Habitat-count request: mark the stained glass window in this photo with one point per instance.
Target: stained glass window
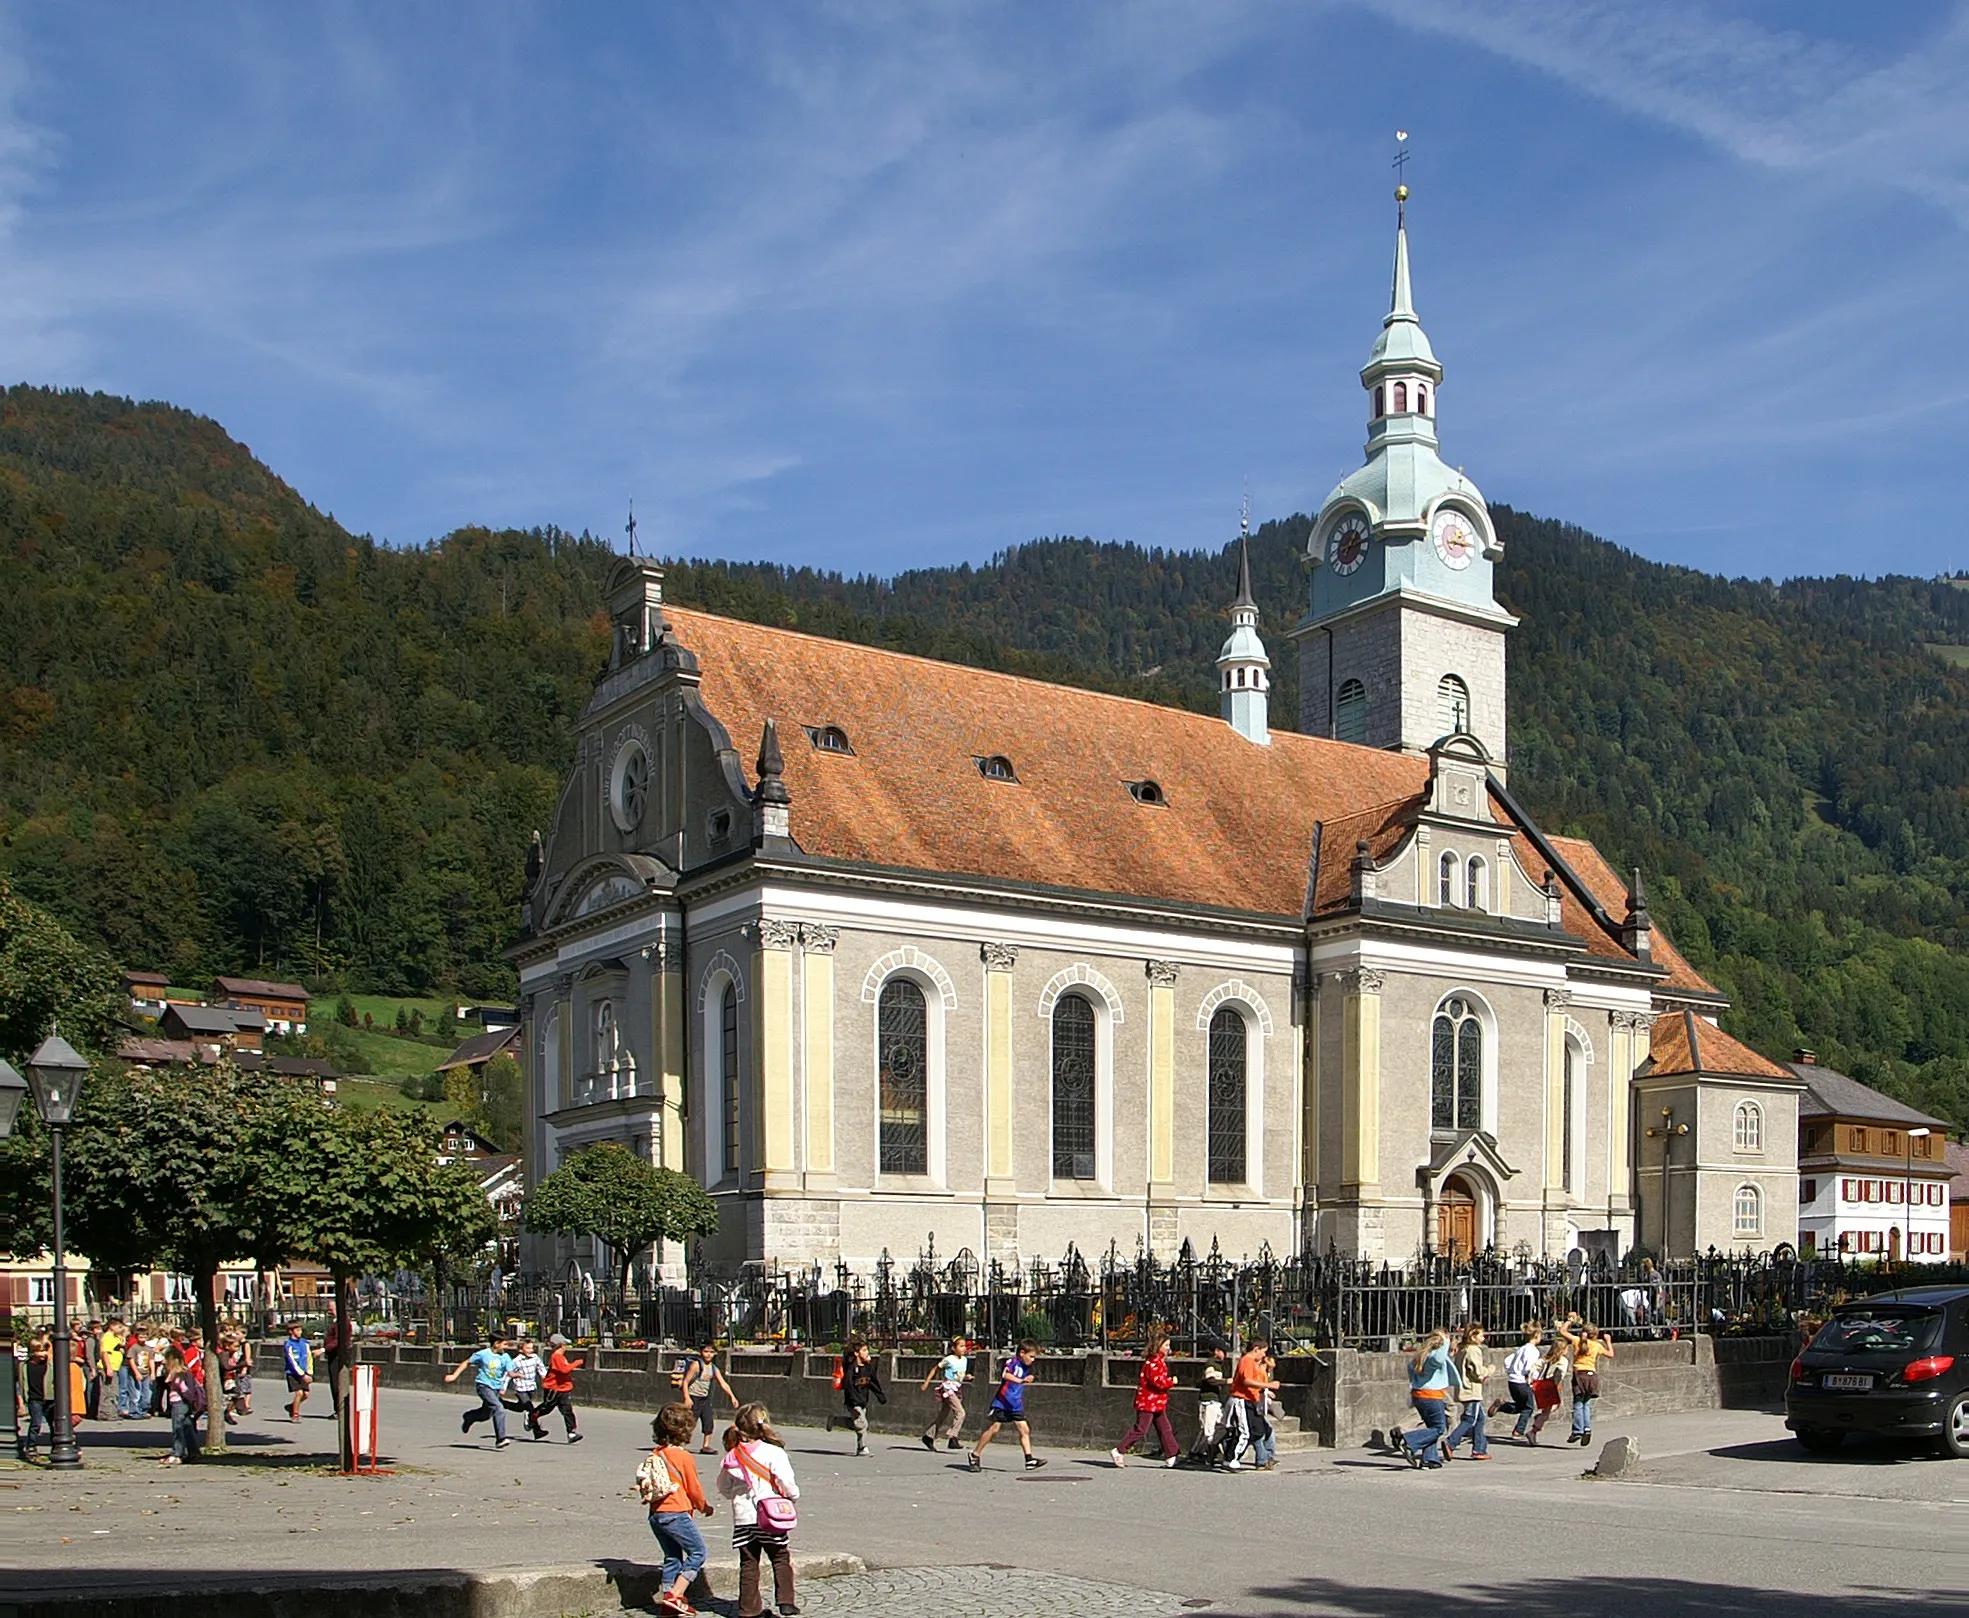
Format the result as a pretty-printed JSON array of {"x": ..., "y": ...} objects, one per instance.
[
  {"x": 1227, "y": 1097},
  {"x": 728, "y": 1076},
  {"x": 1456, "y": 1068},
  {"x": 1073, "y": 1088},
  {"x": 902, "y": 1053}
]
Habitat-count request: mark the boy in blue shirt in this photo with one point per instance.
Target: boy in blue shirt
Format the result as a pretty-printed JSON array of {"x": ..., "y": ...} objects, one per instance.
[
  {"x": 492, "y": 1367},
  {"x": 1008, "y": 1404},
  {"x": 297, "y": 1354}
]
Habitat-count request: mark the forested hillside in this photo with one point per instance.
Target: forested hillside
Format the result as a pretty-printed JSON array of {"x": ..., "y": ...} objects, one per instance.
[{"x": 234, "y": 736}]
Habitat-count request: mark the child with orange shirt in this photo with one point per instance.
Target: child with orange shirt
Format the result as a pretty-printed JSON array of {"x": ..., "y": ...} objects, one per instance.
[{"x": 671, "y": 1510}]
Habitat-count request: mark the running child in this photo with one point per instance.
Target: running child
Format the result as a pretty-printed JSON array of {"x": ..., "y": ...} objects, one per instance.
[
  {"x": 1008, "y": 1404},
  {"x": 667, "y": 1481},
  {"x": 860, "y": 1382},
  {"x": 949, "y": 1374}
]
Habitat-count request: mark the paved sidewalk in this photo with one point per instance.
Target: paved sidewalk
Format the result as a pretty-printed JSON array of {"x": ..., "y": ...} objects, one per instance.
[{"x": 1725, "y": 1514}]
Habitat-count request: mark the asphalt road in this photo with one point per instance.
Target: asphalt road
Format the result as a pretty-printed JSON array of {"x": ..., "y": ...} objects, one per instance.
[{"x": 1724, "y": 1514}]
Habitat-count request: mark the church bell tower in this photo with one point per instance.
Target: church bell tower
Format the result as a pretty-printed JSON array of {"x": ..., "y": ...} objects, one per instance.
[{"x": 1403, "y": 643}]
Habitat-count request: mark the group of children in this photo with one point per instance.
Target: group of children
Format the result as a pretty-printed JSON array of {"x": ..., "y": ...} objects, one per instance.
[
  {"x": 756, "y": 1476},
  {"x": 1237, "y": 1404},
  {"x": 505, "y": 1380},
  {"x": 1442, "y": 1374},
  {"x": 120, "y": 1373}
]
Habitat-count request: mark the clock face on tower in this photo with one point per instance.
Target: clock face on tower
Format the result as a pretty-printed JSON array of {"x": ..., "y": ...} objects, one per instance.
[
  {"x": 1455, "y": 538},
  {"x": 1346, "y": 546}
]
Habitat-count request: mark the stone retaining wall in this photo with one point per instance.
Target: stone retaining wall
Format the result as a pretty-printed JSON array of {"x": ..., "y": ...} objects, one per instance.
[{"x": 1344, "y": 1397}]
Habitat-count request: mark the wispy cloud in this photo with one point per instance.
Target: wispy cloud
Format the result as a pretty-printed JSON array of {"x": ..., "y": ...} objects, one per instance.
[{"x": 1769, "y": 96}]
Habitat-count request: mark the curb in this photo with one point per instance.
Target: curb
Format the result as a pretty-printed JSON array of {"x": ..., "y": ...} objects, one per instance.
[{"x": 540, "y": 1592}]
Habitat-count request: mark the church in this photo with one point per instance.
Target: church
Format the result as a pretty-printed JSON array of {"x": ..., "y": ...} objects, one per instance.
[{"x": 881, "y": 949}]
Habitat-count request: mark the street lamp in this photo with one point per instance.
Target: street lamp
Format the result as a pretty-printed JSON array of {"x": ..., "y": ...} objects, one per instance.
[
  {"x": 1907, "y": 1192},
  {"x": 56, "y": 1072}
]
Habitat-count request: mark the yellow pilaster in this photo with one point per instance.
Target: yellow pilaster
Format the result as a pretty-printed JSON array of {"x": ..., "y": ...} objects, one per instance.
[
  {"x": 1556, "y": 1001},
  {"x": 998, "y": 960},
  {"x": 772, "y": 1044},
  {"x": 1360, "y": 1113},
  {"x": 1622, "y": 1061},
  {"x": 1162, "y": 1074},
  {"x": 817, "y": 1046},
  {"x": 667, "y": 1041},
  {"x": 1309, "y": 1090},
  {"x": 1502, "y": 864}
]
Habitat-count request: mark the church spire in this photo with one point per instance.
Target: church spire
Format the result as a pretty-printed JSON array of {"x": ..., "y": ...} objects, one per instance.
[
  {"x": 1401, "y": 300},
  {"x": 1243, "y": 669},
  {"x": 1244, "y": 602}
]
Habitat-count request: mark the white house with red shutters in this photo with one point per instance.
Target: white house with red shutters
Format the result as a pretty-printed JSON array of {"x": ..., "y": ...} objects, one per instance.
[{"x": 1873, "y": 1172}]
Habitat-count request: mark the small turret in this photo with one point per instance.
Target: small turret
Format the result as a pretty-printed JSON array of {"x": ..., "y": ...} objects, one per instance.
[
  {"x": 774, "y": 801},
  {"x": 1243, "y": 669},
  {"x": 1636, "y": 930}
]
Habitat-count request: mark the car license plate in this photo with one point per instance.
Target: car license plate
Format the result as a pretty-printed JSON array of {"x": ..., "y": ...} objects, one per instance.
[{"x": 1836, "y": 1383}]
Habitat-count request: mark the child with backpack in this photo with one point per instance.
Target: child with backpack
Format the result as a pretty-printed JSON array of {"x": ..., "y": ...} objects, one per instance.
[
  {"x": 858, "y": 1381},
  {"x": 667, "y": 1483},
  {"x": 184, "y": 1403}
]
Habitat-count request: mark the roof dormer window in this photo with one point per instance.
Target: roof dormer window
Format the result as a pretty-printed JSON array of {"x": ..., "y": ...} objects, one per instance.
[
  {"x": 829, "y": 739},
  {"x": 1149, "y": 792},
  {"x": 997, "y": 767}
]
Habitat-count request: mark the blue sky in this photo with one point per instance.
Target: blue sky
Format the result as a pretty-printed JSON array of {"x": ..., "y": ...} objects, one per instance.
[{"x": 869, "y": 286}]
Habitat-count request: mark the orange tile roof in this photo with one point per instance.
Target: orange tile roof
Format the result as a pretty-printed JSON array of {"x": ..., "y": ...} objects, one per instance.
[
  {"x": 1236, "y": 829},
  {"x": 1606, "y": 886},
  {"x": 1682, "y": 1042}
]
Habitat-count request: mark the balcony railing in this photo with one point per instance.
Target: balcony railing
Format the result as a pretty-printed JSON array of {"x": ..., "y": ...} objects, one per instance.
[{"x": 620, "y": 1084}]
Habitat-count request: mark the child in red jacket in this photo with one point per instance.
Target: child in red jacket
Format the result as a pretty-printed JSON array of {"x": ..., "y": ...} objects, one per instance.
[{"x": 1152, "y": 1404}]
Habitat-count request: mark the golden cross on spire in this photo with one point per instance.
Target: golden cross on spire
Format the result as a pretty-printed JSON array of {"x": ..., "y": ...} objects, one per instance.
[{"x": 1400, "y": 166}]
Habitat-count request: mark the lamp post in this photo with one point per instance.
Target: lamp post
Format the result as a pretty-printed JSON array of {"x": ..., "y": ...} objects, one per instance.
[
  {"x": 1667, "y": 1134},
  {"x": 13, "y": 1089},
  {"x": 1907, "y": 1193},
  {"x": 56, "y": 1072}
]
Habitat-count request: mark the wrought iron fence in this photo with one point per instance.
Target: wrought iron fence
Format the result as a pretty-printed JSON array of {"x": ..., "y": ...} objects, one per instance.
[{"x": 1309, "y": 1300}]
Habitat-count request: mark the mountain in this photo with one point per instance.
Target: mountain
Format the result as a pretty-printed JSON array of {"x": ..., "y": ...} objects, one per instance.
[{"x": 234, "y": 736}]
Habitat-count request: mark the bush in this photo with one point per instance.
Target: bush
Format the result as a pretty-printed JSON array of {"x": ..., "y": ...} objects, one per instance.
[
  {"x": 1037, "y": 1326},
  {"x": 403, "y": 1019},
  {"x": 345, "y": 1012},
  {"x": 423, "y": 1087}
]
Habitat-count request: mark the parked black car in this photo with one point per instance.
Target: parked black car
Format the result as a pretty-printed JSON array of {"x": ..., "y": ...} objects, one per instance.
[{"x": 1895, "y": 1365}]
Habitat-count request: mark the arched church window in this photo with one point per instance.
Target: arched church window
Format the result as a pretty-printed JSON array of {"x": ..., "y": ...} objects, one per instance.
[
  {"x": 1749, "y": 1128},
  {"x": 1350, "y": 712},
  {"x": 1456, "y": 1067},
  {"x": 1452, "y": 706},
  {"x": 1228, "y": 1062},
  {"x": 1448, "y": 890},
  {"x": 1747, "y": 1212},
  {"x": 1568, "y": 1081},
  {"x": 1421, "y": 400},
  {"x": 902, "y": 1045},
  {"x": 1401, "y": 398},
  {"x": 728, "y": 1077},
  {"x": 1073, "y": 1088},
  {"x": 1380, "y": 401},
  {"x": 1476, "y": 884}
]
